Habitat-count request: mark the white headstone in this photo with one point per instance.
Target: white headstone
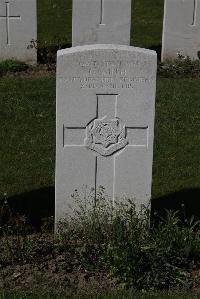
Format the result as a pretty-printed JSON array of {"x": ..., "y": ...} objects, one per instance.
[
  {"x": 101, "y": 22},
  {"x": 181, "y": 30},
  {"x": 18, "y": 26},
  {"x": 105, "y": 122}
]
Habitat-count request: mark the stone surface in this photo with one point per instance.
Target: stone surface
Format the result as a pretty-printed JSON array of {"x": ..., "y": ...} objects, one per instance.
[
  {"x": 18, "y": 26},
  {"x": 181, "y": 30},
  {"x": 101, "y": 22},
  {"x": 105, "y": 122}
]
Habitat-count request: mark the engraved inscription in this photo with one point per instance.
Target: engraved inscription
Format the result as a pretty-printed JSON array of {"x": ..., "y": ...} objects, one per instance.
[
  {"x": 122, "y": 82},
  {"x": 107, "y": 82},
  {"x": 95, "y": 64},
  {"x": 107, "y": 74},
  {"x": 8, "y": 17}
]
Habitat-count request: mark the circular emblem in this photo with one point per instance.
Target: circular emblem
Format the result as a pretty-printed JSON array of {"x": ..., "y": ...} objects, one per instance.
[
  {"x": 106, "y": 136},
  {"x": 106, "y": 132}
]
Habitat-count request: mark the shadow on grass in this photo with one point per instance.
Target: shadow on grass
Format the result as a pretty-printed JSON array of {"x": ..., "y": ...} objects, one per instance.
[
  {"x": 185, "y": 202},
  {"x": 158, "y": 49},
  {"x": 47, "y": 54},
  {"x": 36, "y": 206},
  {"x": 39, "y": 205}
]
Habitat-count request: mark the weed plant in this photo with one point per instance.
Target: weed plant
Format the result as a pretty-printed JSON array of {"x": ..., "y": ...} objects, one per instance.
[
  {"x": 182, "y": 67},
  {"x": 120, "y": 241},
  {"x": 114, "y": 241},
  {"x": 47, "y": 52}
]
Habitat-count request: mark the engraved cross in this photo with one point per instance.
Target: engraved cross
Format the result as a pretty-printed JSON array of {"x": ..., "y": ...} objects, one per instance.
[
  {"x": 8, "y": 17},
  {"x": 106, "y": 136}
]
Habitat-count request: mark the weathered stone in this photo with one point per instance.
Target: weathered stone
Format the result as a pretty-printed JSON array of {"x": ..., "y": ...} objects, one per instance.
[
  {"x": 18, "y": 27},
  {"x": 181, "y": 29},
  {"x": 105, "y": 122},
  {"x": 101, "y": 22}
]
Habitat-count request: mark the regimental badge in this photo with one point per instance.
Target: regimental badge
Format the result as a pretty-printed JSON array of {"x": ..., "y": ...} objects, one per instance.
[{"x": 106, "y": 136}]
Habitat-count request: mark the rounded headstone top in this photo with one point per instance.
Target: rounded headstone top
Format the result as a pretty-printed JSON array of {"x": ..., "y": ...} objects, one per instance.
[{"x": 113, "y": 47}]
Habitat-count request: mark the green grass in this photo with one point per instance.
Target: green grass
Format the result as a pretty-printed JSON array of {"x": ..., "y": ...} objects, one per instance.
[
  {"x": 28, "y": 135},
  {"x": 54, "y": 21},
  {"x": 176, "y": 158},
  {"x": 147, "y": 22}
]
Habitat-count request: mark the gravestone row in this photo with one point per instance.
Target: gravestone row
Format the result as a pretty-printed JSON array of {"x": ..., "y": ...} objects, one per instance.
[{"x": 99, "y": 22}]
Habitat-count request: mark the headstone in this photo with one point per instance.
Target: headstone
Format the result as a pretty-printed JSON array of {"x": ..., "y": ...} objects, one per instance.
[
  {"x": 181, "y": 30},
  {"x": 101, "y": 22},
  {"x": 105, "y": 122},
  {"x": 18, "y": 27}
]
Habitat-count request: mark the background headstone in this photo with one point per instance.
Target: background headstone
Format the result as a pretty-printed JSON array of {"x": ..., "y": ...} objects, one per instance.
[
  {"x": 101, "y": 22},
  {"x": 181, "y": 30},
  {"x": 105, "y": 122},
  {"x": 18, "y": 26}
]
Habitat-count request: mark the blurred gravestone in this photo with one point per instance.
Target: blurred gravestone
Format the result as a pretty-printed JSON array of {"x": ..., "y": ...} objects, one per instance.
[
  {"x": 101, "y": 22},
  {"x": 105, "y": 123},
  {"x": 181, "y": 30},
  {"x": 18, "y": 27}
]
